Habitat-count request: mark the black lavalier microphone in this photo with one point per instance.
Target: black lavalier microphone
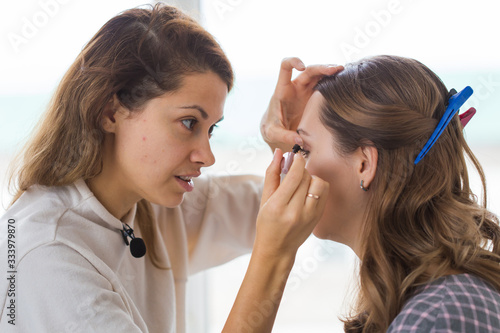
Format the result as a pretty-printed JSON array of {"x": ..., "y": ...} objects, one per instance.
[{"x": 137, "y": 246}]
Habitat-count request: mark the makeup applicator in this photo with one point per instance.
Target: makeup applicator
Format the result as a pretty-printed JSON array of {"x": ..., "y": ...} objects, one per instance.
[{"x": 287, "y": 160}]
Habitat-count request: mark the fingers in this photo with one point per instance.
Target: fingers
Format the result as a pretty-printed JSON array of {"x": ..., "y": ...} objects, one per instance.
[
  {"x": 314, "y": 73},
  {"x": 320, "y": 188},
  {"x": 297, "y": 199},
  {"x": 292, "y": 180},
  {"x": 272, "y": 180},
  {"x": 274, "y": 131},
  {"x": 277, "y": 134},
  {"x": 287, "y": 66}
]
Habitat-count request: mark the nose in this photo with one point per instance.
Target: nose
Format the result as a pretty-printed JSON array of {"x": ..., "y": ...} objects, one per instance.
[{"x": 202, "y": 154}]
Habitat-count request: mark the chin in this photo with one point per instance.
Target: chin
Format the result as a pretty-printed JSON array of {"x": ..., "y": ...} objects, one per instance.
[{"x": 171, "y": 202}]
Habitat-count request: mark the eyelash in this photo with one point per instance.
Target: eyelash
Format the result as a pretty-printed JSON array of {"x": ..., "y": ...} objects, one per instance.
[
  {"x": 296, "y": 148},
  {"x": 211, "y": 130},
  {"x": 194, "y": 122}
]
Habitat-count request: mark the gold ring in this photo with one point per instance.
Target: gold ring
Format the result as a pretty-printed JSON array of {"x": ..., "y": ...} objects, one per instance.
[{"x": 310, "y": 195}]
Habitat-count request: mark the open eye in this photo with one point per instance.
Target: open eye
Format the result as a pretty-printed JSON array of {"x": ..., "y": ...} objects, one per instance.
[
  {"x": 304, "y": 153},
  {"x": 189, "y": 123}
]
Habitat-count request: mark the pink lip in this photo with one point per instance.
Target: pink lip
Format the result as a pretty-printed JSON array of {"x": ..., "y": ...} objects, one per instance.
[
  {"x": 187, "y": 186},
  {"x": 194, "y": 175}
]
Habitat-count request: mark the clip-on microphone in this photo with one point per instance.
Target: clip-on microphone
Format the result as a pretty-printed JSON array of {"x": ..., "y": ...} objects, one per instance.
[{"x": 137, "y": 245}]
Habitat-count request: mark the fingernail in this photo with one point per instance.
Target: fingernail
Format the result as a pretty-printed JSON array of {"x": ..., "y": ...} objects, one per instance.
[
  {"x": 286, "y": 162},
  {"x": 335, "y": 67},
  {"x": 297, "y": 155},
  {"x": 275, "y": 153},
  {"x": 298, "y": 140}
]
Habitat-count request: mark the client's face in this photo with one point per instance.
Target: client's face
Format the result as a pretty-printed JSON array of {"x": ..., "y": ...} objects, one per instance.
[{"x": 341, "y": 219}]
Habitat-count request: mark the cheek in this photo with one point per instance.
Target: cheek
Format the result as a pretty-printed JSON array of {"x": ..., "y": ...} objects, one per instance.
[
  {"x": 330, "y": 169},
  {"x": 148, "y": 146},
  {"x": 340, "y": 177},
  {"x": 336, "y": 176},
  {"x": 136, "y": 143}
]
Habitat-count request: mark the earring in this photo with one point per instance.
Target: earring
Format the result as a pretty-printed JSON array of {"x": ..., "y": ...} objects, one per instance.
[{"x": 362, "y": 187}]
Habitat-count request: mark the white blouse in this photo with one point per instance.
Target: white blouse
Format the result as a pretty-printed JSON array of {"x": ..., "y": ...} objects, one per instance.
[{"x": 72, "y": 271}]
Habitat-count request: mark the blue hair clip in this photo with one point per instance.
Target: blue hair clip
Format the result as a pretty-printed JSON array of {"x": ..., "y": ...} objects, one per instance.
[{"x": 454, "y": 104}]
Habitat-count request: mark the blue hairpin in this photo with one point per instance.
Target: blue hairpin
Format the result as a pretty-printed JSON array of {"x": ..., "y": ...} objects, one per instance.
[{"x": 454, "y": 104}]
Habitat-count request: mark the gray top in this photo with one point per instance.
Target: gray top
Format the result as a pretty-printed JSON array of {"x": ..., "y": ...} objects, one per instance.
[{"x": 453, "y": 303}]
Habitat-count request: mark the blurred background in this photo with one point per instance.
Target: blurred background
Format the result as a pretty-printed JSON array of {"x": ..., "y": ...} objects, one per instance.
[{"x": 456, "y": 39}]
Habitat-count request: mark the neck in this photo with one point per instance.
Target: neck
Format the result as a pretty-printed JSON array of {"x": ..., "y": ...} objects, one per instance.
[
  {"x": 108, "y": 186},
  {"x": 110, "y": 195}
]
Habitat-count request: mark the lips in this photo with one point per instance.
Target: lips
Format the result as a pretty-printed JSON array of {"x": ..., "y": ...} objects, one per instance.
[{"x": 186, "y": 181}]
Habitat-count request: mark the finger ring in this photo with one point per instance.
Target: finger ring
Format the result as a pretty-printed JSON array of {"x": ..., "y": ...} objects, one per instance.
[{"x": 310, "y": 195}]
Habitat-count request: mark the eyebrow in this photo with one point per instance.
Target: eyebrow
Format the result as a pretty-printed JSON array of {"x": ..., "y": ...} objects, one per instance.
[
  {"x": 204, "y": 114},
  {"x": 301, "y": 131}
]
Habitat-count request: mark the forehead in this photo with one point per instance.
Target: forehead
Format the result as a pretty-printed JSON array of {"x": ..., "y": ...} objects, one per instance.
[
  {"x": 203, "y": 84},
  {"x": 207, "y": 90},
  {"x": 310, "y": 118}
]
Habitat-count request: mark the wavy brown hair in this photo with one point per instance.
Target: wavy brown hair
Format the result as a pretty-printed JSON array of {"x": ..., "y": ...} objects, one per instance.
[
  {"x": 138, "y": 55},
  {"x": 423, "y": 220}
]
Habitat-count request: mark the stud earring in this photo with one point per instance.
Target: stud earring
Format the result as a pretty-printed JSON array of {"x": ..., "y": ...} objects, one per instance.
[{"x": 362, "y": 187}]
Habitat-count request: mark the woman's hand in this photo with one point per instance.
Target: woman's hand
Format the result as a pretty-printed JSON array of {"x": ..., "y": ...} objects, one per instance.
[
  {"x": 286, "y": 218},
  {"x": 287, "y": 215},
  {"x": 287, "y": 104}
]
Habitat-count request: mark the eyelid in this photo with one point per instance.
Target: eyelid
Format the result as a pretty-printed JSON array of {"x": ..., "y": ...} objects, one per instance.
[
  {"x": 194, "y": 122},
  {"x": 304, "y": 150}
]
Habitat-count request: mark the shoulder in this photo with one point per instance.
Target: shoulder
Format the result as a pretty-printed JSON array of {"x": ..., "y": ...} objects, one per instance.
[
  {"x": 458, "y": 303},
  {"x": 44, "y": 202},
  {"x": 52, "y": 270},
  {"x": 58, "y": 289},
  {"x": 34, "y": 219},
  {"x": 57, "y": 261}
]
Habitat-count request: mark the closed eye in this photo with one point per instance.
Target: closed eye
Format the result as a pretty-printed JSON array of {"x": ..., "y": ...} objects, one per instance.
[{"x": 304, "y": 153}]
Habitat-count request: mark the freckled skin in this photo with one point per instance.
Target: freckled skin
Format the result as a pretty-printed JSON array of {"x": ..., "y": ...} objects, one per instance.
[{"x": 147, "y": 149}]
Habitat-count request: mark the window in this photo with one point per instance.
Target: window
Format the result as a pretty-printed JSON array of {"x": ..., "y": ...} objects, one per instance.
[
  {"x": 454, "y": 41},
  {"x": 42, "y": 38}
]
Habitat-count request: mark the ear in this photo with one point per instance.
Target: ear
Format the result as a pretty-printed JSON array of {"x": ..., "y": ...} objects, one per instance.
[
  {"x": 108, "y": 120},
  {"x": 367, "y": 158}
]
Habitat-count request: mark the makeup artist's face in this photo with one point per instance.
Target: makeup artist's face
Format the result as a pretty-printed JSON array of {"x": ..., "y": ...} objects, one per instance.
[
  {"x": 339, "y": 221},
  {"x": 159, "y": 149}
]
